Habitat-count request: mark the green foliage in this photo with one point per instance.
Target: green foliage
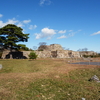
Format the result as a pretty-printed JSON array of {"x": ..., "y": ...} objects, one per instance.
[
  {"x": 10, "y": 35},
  {"x": 85, "y": 56},
  {"x": 32, "y": 55},
  {"x": 22, "y": 47},
  {"x": 92, "y": 56}
]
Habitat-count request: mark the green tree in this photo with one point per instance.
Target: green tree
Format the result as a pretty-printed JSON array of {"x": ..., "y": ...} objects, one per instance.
[
  {"x": 22, "y": 47},
  {"x": 10, "y": 35},
  {"x": 32, "y": 55}
]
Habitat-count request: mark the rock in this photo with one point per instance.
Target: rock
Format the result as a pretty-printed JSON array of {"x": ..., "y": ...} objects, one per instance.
[
  {"x": 94, "y": 78},
  {"x": 83, "y": 99},
  {"x": 0, "y": 66}
]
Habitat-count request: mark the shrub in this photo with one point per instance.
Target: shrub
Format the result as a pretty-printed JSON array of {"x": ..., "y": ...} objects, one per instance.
[
  {"x": 32, "y": 55},
  {"x": 92, "y": 56},
  {"x": 85, "y": 56}
]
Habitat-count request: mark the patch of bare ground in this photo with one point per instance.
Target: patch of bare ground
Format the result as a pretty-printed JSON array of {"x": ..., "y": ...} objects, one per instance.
[
  {"x": 52, "y": 72},
  {"x": 60, "y": 67}
]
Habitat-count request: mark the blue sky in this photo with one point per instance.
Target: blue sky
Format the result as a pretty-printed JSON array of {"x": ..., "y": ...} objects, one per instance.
[{"x": 74, "y": 24}]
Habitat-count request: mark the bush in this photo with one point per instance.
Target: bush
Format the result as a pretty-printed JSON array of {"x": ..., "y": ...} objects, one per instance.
[
  {"x": 32, "y": 55},
  {"x": 92, "y": 56},
  {"x": 85, "y": 56}
]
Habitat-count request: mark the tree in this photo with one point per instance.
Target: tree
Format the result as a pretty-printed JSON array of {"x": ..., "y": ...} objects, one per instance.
[
  {"x": 10, "y": 35},
  {"x": 42, "y": 46},
  {"x": 83, "y": 49},
  {"x": 22, "y": 47},
  {"x": 42, "y": 43}
]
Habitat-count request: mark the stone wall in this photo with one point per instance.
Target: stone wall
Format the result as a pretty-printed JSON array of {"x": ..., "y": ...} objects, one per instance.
[
  {"x": 15, "y": 54},
  {"x": 62, "y": 54},
  {"x": 41, "y": 54},
  {"x": 76, "y": 54},
  {"x": 51, "y": 51}
]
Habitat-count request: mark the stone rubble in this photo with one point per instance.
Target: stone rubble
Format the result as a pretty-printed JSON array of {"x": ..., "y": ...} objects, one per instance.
[{"x": 94, "y": 78}]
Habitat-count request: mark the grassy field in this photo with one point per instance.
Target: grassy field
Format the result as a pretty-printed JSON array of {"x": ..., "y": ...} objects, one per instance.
[{"x": 47, "y": 79}]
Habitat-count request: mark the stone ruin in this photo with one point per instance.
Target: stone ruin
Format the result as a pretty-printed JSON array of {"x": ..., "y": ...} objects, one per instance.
[
  {"x": 45, "y": 51},
  {"x": 55, "y": 51},
  {"x": 52, "y": 47}
]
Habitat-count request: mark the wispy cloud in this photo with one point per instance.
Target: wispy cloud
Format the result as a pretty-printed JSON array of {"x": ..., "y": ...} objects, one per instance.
[
  {"x": 96, "y": 33},
  {"x": 32, "y": 27},
  {"x": 62, "y": 31},
  {"x": 1, "y": 15},
  {"x": 10, "y": 21},
  {"x": 46, "y": 2},
  {"x": 62, "y": 37},
  {"x": 45, "y": 33},
  {"x": 26, "y": 21},
  {"x": 71, "y": 33},
  {"x": 18, "y": 23}
]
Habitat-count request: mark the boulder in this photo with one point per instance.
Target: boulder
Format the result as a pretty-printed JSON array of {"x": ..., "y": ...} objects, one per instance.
[{"x": 94, "y": 78}]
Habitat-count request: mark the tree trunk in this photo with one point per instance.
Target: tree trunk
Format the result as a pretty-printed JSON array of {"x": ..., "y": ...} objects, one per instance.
[{"x": 11, "y": 53}]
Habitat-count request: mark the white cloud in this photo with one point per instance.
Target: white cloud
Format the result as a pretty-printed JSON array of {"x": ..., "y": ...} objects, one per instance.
[
  {"x": 16, "y": 22},
  {"x": 20, "y": 24},
  {"x": 66, "y": 36},
  {"x": 38, "y": 36},
  {"x": 45, "y": 33},
  {"x": 1, "y": 15},
  {"x": 96, "y": 33},
  {"x": 26, "y": 21},
  {"x": 10, "y": 21},
  {"x": 48, "y": 31},
  {"x": 46, "y": 2},
  {"x": 32, "y": 27},
  {"x": 62, "y": 37},
  {"x": 42, "y": 2},
  {"x": 1, "y": 24},
  {"x": 62, "y": 31},
  {"x": 70, "y": 34}
]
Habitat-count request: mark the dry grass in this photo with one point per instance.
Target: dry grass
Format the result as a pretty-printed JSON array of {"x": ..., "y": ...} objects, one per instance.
[
  {"x": 29, "y": 70},
  {"x": 17, "y": 75}
]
